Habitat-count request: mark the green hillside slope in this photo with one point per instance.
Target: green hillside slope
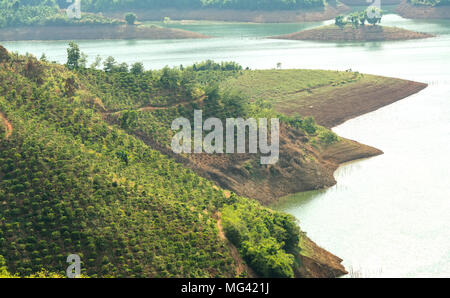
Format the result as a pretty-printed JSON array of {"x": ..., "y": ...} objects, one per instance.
[{"x": 71, "y": 182}]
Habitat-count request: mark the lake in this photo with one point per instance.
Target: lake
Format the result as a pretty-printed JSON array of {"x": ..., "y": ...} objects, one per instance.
[{"x": 388, "y": 216}]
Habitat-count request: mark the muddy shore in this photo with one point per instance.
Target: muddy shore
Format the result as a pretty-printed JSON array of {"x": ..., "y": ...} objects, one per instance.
[
  {"x": 230, "y": 15},
  {"x": 94, "y": 32},
  {"x": 410, "y": 11}
]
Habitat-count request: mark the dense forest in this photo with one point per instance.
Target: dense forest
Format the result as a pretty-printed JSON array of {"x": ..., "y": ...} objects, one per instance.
[
  {"x": 75, "y": 179},
  {"x": 15, "y": 13}
]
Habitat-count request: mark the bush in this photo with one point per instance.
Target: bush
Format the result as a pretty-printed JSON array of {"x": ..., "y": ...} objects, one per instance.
[
  {"x": 328, "y": 137},
  {"x": 130, "y": 18},
  {"x": 309, "y": 125}
]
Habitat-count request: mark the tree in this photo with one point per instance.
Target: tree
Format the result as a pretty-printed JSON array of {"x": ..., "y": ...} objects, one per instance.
[
  {"x": 130, "y": 18},
  {"x": 373, "y": 15},
  {"x": 340, "y": 21},
  {"x": 123, "y": 67},
  {"x": 82, "y": 62},
  {"x": 43, "y": 58},
  {"x": 354, "y": 19},
  {"x": 73, "y": 56},
  {"x": 362, "y": 18},
  {"x": 97, "y": 62},
  {"x": 137, "y": 68},
  {"x": 109, "y": 64}
]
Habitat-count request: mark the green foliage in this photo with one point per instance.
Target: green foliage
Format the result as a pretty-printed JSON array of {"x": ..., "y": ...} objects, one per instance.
[
  {"x": 372, "y": 15},
  {"x": 104, "y": 5},
  {"x": 73, "y": 183},
  {"x": 430, "y": 2},
  {"x": 32, "y": 13},
  {"x": 73, "y": 56},
  {"x": 137, "y": 68},
  {"x": 267, "y": 240},
  {"x": 130, "y": 18},
  {"x": 340, "y": 21},
  {"x": 309, "y": 125},
  {"x": 328, "y": 137}
]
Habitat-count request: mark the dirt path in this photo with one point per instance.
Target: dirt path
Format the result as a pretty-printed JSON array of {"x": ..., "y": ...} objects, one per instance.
[
  {"x": 240, "y": 265},
  {"x": 8, "y": 126},
  {"x": 153, "y": 108}
]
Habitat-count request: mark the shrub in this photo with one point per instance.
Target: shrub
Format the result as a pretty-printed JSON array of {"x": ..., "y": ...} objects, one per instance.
[
  {"x": 130, "y": 18},
  {"x": 328, "y": 137}
]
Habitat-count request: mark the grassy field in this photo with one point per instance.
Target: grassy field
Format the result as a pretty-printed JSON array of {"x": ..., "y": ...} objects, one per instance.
[{"x": 292, "y": 86}]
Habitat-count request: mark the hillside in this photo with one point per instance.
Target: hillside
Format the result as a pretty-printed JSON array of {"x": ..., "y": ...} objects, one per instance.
[
  {"x": 95, "y": 32},
  {"x": 429, "y": 10},
  {"x": 331, "y": 97},
  {"x": 235, "y": 15},
  {"x": 334, "y": 33},
  {"x": 71, "y": 182}
]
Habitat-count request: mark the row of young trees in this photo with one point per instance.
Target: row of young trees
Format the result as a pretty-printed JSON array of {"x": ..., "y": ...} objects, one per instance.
[
  {"x": 371, "y": 15},
  {"x": 73, "y": 184}
]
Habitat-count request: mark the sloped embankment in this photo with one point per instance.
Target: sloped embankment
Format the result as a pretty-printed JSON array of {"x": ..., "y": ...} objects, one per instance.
[
  {"x": 407, "y": 10},
  {"x": 95, "y": 32},
  {"x": 7, "y": 125},
  {"x": 231, "y": 15}
]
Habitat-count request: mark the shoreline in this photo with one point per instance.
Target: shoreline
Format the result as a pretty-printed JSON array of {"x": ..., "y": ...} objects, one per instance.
[
  {"x": 332, "y": 33},
  {"x": 98, "y": 32},
  {"x": 410, "y": 11},
  {"x": 319, "y": 262},
  {"x": 231, "y": 15}
]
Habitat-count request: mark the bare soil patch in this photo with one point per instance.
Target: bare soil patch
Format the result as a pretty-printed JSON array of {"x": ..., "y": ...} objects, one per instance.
[
  {"x": 339, "y": 104},
  {"x": 410, "y": 11},
  {"x": 348, "y": 33},
  {"x": 7, "y": 124}
]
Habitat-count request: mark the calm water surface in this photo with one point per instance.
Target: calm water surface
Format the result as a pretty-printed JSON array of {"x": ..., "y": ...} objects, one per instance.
[{"x": 388, "y": 215}]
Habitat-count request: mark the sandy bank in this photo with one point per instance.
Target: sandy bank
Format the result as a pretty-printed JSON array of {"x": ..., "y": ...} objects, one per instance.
[
  {"x": 229, "y": 15},
  {"x": 365, "y": 3},
  {"x": 410, "y": 11},
  {"x": 94, "y": 32},
  {"x": 354, "y": 100},
  {"x": 365, "y": 33}
]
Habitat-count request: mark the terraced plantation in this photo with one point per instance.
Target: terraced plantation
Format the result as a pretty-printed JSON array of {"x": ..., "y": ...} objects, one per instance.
[{"x": 74, "y": 180}]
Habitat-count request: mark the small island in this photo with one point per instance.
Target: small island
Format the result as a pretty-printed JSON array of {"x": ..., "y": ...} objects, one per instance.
[{"x": 358, "y": 26}]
